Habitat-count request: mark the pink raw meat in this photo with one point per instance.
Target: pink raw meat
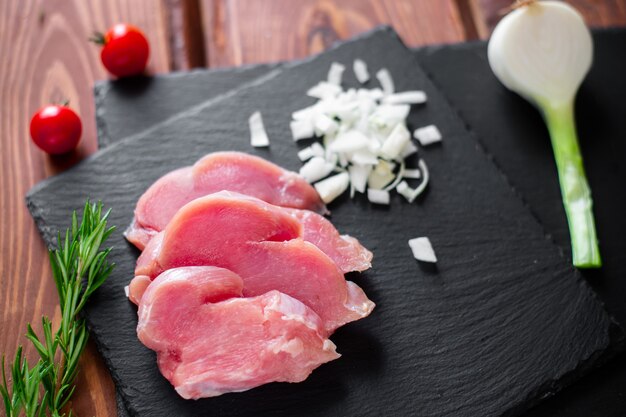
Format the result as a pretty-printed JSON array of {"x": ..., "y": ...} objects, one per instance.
[
  {"x": 232, "y": 171},
  {"x": 262, "y": 244},
  {"x": 209, "y": 343},
  {"x": 344, "y": 250}
]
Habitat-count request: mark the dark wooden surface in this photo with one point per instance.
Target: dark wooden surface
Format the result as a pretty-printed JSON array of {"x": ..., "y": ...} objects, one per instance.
[{"x": 46, "y": 58}]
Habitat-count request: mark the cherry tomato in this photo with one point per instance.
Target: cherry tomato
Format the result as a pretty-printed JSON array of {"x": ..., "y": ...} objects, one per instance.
[
  {"x": 56, "y": 129},
  {"x": 125, "y": 50}
]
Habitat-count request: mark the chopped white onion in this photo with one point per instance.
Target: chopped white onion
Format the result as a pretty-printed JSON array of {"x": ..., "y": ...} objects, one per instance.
[
  {"x": 409, "y": 149},
  {"x": 406, "y": 97},
  {"x": 301, "y": 129},
  {"x": 381, "y": 175},
  {"x": 258, "y": 136},
  {"x": 350, "y": 141},
  {"x": 425, "y": 178},
  {"x": 387, "y": 116},
  {"x": 360, "y": 71},
  {"x": 364, "y": 157},
  {"x": 335, "y": 72},
  {"x": 324, "y": 90},
  {"x": 332, "y": 187},
  {"x": 310, "y": 151},
  {"x": 126, "y": 291},
  {"x": 404, "y": 190},
  {"x": 412, "y": 173},
  {"x": 422, "y": 249},
  {"x": 316, "y": 169},
  {"x": 409, "y": 193},
  {"x": 395, "y": 143},
  {"x": 378, "y": 196},
  {"x": 364, "y": 137},
  {"x": 358, "y": 176},
  {"x": 324, "y": 124},
  {"x": 306, "y": 113},
  {"x": 385, "y": 80},
  {"x": 427, "y": 135}
]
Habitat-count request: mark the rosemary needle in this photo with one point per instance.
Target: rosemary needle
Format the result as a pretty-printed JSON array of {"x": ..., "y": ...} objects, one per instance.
[{"x": 79, "y": 267}]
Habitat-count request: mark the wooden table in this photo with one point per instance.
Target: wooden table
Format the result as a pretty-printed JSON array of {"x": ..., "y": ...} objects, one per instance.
[{"x": 45, "y": 57}]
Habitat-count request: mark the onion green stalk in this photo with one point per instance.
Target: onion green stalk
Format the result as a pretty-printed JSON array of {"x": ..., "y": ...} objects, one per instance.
[{"x": 543, "y": 50}]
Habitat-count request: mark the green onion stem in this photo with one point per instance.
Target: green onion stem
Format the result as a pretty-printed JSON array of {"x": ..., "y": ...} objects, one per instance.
[{"x": 575, "y": 190}]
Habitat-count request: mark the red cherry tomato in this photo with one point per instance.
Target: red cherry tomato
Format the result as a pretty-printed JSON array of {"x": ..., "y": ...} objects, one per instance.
[
  {"x": 125, "y": 51},
  {"x": 56, "y": 129}
]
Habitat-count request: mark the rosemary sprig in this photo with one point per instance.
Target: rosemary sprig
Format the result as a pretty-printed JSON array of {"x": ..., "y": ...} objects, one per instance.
[{"x": 79, "y": 268}]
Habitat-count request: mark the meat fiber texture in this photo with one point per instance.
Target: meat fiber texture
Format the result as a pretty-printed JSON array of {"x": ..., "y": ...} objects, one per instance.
[
  {"x": 269, "y": 247},
  {"x": 233, "y": 171},
  {"x": 210, "y": 341}
]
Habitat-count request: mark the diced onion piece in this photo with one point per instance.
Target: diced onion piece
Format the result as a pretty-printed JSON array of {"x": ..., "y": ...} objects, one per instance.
[
  {"x": 406, "y": 97},
  {"x": 360, "y": 71},
  {"x": 310, "y": 151},
  {"x": 324, "y": 90},
  {"x": 306, "y": 153},
  {"x": 398, "y": 178},
  {"x": 317, "y": 149},
  {"x": 409, "y": 193},
  {"x": 343, "y": 161},
  {"x": 422, "y": 249},
  {"x": 381, "y": 175},
  {"x": 324, "y": 125},
  {"x": 404, "y": 190},
  {"x": 412, "y": 173},
  {"x": 350, "y": 141},
  {"x": 332, "y": 187},
  {"x": 335, "y": 72},
  {"x": 364, "y": 157},
  {"x": 358, "y": 176},
  {"x": 316, "y": 169},
  {"x": 427, "y": 135},
  {"x": 389, "y": 115},
  {"x": 258, "y": 136},
  {"x": 409, "y": 149},
  {"x": 395, "y": 143},
  {"x": 426, "y": 177},
  {"x": 301, "y": 129},
  {"x": 378, "y": 196},
  {"x": 385, "y": 80},
  {"x": 306, "y": 113},
  {"x": 126, "y": 291}
]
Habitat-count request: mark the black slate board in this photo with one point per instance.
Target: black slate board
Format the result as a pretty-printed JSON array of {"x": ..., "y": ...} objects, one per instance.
[
  {"x": 125, "y": 101},
  {"x": 514, "y": 135},
  {"x": 499, "y": 324}
]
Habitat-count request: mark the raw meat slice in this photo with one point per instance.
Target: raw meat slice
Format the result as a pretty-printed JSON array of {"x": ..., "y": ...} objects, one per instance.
[
  {"x": 233, "y": 171},
  {"x": 263, "y": 246},
  {"x": 207, "y": 347},
  {"x": 344, "y": 250}
]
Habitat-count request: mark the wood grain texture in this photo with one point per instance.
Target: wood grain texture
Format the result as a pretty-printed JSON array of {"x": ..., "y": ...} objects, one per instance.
[
  {"x": 241, "y": 32},
  {"x": 597, "y": 13},
  {"x": 46, "y": 58}
]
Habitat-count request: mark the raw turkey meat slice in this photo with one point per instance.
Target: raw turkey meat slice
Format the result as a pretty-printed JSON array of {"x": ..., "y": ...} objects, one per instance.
[
  {"x": 233, "y": 171},
  {"x": 260, "y": 243},
  {"x": 207, "y": 346},
  {"x": 344, "y": 250}
]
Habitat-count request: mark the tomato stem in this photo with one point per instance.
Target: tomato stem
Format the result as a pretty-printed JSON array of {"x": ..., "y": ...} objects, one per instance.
[{"x": 97, "y": 38}]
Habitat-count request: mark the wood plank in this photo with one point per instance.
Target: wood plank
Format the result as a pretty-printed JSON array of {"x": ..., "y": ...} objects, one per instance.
[
  {"x": 46, "y": 58},
  {"x": 606, "y": 13},
  {"x": 241, "y": 32}
]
